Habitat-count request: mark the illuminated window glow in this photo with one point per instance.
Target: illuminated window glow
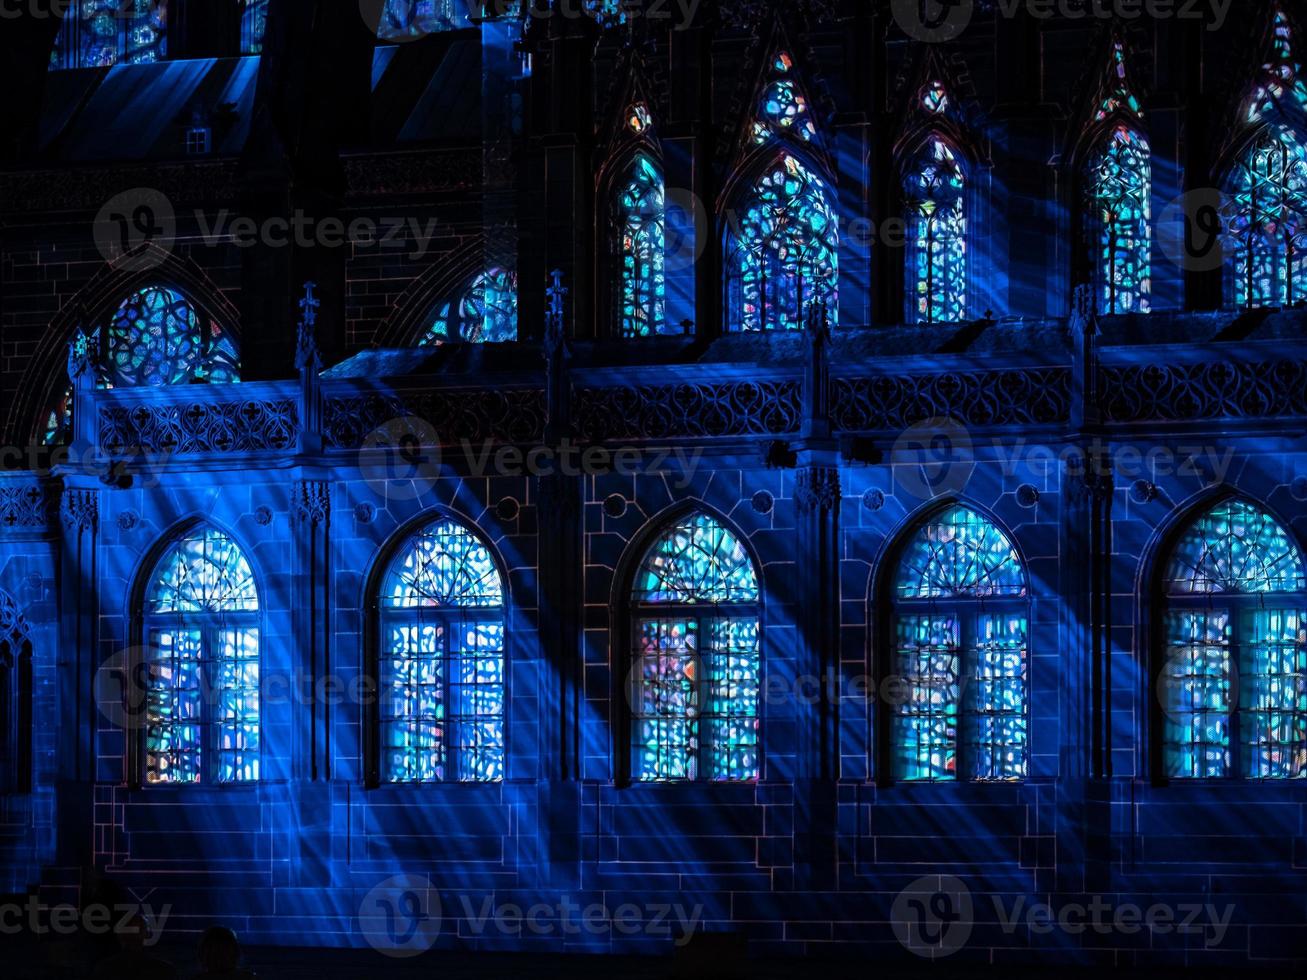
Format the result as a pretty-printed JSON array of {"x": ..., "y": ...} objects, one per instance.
[
  {"x": 1234, "y": 678},
  {"x": 442, "y": 660},
  {"x": 960, "y": 612},
  {"x": 202, "y": 663},
  {"x": 935, "y": 192},
  {"x": 155, "y": 337},
  {"x": 641, "y": 212},
  {"x": 784, "y": 253},
  {"x": 485, "y": 313},
  {"x": 101, "y": 33},
  {"x": 697, "y": 671},
  {"x": 254, "y": 21},
  {"x": 1269, "y": 220},
  {"x": 1119, "y": 187},
  {"x": 403, "y": 19}
]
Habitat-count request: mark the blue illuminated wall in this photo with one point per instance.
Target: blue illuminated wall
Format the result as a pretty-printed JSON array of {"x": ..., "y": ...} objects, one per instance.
[{"x": 697, "y": 196}]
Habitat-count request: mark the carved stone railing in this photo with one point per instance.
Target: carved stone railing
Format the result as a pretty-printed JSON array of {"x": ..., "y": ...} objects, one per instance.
[
  {"x": 27, "y": 504},
  {"x": 1215, "y": 382}
]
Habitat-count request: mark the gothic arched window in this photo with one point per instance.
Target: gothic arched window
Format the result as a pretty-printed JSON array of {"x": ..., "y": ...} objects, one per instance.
[
  {"x": 935, "y": 193},
  {"x": 782, "y": 250},
  {"x": 641, "y": 215},
  {"x": 441, "y": 663},
  {"x": 696, "y": 674},
  {"x": 1118, "y": 192},
  {"x": 155, "y": 337},
  {"x": 403, "y": 19},
  {"x": 1269, "y": 221},
  {"x": 201, "y": 632},
  {"x": 15, "y": 699},
  {"x": 1233, "y": 678},
  {"x": 960, "y": 646},
  {"x": 99, "y": 33},
  {"x": 484, "y": 313}
]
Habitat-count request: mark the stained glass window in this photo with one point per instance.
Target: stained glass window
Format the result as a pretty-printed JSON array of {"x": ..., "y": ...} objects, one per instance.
[
  {"x": 606, "y": 13},
  {"x": 638, "y": 119},
  {"x": 442, "y": 660},
  {"x": 484, "y": 313},
  {"x": 100, "y": 33},
  {"x": 1119, "y": 187},
  {"x": 960, "y": 653},
  {"x": 155, "y": 337},
  {"x": 935, "y": 193},
  {"x": 783, "y": 110},
  {"x": 641, "y": 214},
  {"x": 934, "y": 98},
  {"x": 202, "y": 663},
  {"x": 1233, "y": 684},
  {"x": 697, "y": 670},
  {"x": 254, "y": 21},
  {"x": 403, "y": 19},
  {"x": 1119, "y": 99},
  {"x": 1281, "y": 77},
  {"x": 782, "y": 251},
  {"x": 1269, "y": 220}
]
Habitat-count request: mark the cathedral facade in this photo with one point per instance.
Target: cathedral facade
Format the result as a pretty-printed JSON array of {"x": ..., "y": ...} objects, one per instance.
[{"x": 585, "y": 476}]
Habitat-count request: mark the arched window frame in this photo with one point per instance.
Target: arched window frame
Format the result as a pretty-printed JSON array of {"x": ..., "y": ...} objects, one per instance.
[
  {"x": 1268, "y": 234},
  {"x": 149, "y": 657},
  {"x": 784, "y": 308},
  {"x": 219, "y": 353},
  {"x": 445, "y": 618},
  {"x": 968, "y": 611},
  {"x": 452, "y": 311},
  {"x": 638, "y": 142},
  {"x": 15, "y": 699},
  {"x": 914, "y": 155},
  {"x": 631, "y": 612},
  {"x": 1118, "y": 247},
  {"x": 1241, "y": 608}
]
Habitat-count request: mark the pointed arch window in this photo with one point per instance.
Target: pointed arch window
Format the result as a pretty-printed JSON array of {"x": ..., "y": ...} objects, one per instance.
[
  {"x": 403, "y": 20},
  {"x": 783, "y": 110},
  {"x": 960, "y": 648},
  {"x": 485, "y": 312},
  {"x": 782, "y": 250},
  {"x": 935, "y": 192},
  {"x": 641, "y": 217},
  {"x": 155, "y": 337},
  {"x": 100, "y": 33},
  {"x": 201, "y": 631},
  {"x": 1233, "y": 676},
  {"x": 1119, "y": 187},
  {"x": 441, "y": 676},
  {"x": 696, "y": 674},
  {"x": 1269, "y": 221},
  {"x": 15, "y": 699}
]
